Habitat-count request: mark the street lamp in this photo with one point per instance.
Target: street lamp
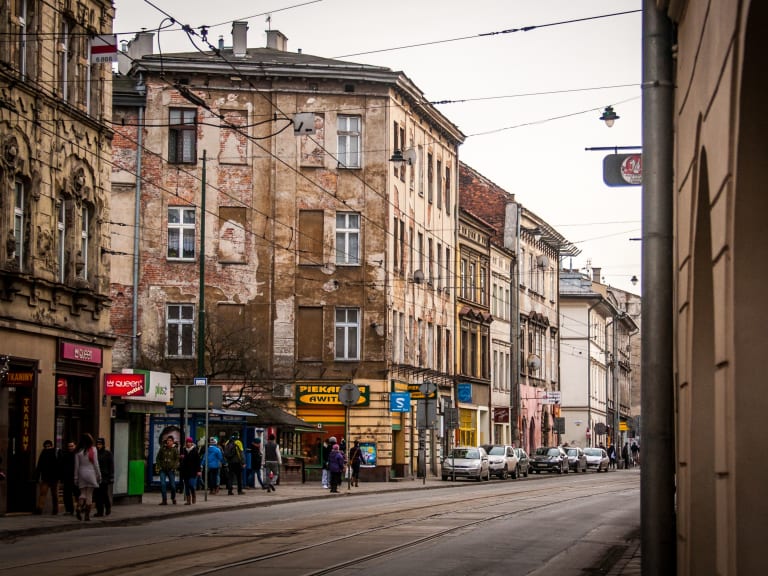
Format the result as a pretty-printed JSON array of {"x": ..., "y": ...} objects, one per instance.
[
  {"x": 609, "y": 116},
  {"x": 400, "y": 157}
]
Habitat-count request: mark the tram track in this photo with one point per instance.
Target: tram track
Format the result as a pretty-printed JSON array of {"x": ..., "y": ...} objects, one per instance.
[{"x": 266, "y": 546}]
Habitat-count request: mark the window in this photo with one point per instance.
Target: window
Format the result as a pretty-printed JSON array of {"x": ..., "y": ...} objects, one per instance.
[
  {"x": 63, "y": 46},
  {"x": 310, "y": 237},
  {"x": 483, "y": 286},
  {"x": 347, "y": 333},
  {"x": 439, "y": 174},
  {"x": 61, "y": 239},
  {"x": 430, "y": 179},
  {"x": 348, "y": 238},
  {"x": 25, "y": 45},
  {"x": 310, "y": 333},
  {"x": 180, "y": 324},
  {"x": 448, "y": 190},
  {"x": 430, "y": 272},
  {"x": 348, "y": 133},
  {"x": 181, "y": 233},
  {"x": 182, "y": 136},
  {"x": 19, "y": 218},
  {"x": 84, "y": 235}
]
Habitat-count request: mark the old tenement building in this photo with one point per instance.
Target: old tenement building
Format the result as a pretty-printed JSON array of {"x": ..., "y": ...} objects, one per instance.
[{"x": 325, "y": 263}]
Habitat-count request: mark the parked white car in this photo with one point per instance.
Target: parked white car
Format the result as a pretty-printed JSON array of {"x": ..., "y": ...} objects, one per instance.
[{"x": 503, "y": 461}]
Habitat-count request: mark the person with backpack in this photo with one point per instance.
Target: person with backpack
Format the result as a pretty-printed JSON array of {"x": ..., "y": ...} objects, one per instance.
[
  {"x": 213, "y": 461},
  {"x": 233, "y": 455},
  {"x": 355, "y": 460}
]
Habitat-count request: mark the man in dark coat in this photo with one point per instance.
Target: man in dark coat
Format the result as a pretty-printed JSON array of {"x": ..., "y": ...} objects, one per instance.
[
  {"x": 103, "y": 494},
  {"x": 67, "y": 477},
  {"x": 257, "y": 458},
  {"x": 47, "y": 474}
]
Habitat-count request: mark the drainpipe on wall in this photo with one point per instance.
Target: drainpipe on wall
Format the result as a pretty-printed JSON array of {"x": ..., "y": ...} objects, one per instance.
[{"x": 136, "y": 231}]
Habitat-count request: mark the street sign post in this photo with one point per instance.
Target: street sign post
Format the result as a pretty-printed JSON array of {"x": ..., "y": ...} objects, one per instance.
[{"x": 349, "y": 394}]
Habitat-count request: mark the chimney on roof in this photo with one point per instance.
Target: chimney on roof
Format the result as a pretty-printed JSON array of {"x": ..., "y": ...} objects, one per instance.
[
  {"x": 277, "y": 40},
  {"x": 239, "y": 39},
  {"x": 596, "y": 274},
  {"x": 136, "y": 49}
]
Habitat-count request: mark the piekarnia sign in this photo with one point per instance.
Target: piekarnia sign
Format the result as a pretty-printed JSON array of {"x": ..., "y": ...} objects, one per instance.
[{"x": 124, "y": 384}]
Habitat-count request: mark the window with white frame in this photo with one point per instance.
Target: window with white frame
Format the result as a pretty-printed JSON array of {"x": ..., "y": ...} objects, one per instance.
[
  {"x": 19, "y": 218},
  {"x": 181, "y": 233},
  {"x": 85, "y": 220},
  {"x": 182, "y": 136},
  {"x": 347, "y": 329},
  {"x": 348, "y": 133},
  {"x": 180, "y": 329},
  {"x": 348, "y": 238},
  {"x": 61, "y": 237}
]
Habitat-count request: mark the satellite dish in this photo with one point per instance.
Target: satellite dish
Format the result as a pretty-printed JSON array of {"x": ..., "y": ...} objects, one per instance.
[
  {"x": 418, "y": 277},
  {"x": 534, "y": 362}
]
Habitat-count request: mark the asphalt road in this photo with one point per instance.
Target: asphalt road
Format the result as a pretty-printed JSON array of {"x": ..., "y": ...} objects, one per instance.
[{"x": 564, "y": 525}]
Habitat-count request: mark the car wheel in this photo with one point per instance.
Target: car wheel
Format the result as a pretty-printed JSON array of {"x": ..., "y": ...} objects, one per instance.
[
  {"x": 445, "y": 478},
  {"x": 504, "y": 474},
  {"x": 516, "y": 473}
]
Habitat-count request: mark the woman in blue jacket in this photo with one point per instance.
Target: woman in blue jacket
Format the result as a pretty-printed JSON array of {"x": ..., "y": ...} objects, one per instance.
[{"x": 214, "y": 460}]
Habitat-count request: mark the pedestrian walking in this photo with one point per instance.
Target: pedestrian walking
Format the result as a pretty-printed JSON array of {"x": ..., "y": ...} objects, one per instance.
[
  {"x": 87, "y": 475},
  {"x": 233, "y": 454},
  {"x": 213, "y": 461},
  {"x": 611, "y": 456},
  {"x": 189, "y": 471},
  {"x": 327, "y": 449},
  {"x": 102, "y": 496},
  {"x": 167, "y": 462},
  {"x": 635, "y": 449},
  {"x": 355, "y": 460},
  {"x": 625, "y": 454},
  {"x": 257, "y": 459},
  {"x": 272, "y": 461},
  {"x": 69, "y": 490},
  {"x": 336, "y": 464},
  {"x": 47, "y": 476}
]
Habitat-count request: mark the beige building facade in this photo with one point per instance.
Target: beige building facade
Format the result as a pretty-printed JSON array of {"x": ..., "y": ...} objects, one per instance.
[
  {"x": 720, "y": 150},
  {"x": 55, "y": 142}
]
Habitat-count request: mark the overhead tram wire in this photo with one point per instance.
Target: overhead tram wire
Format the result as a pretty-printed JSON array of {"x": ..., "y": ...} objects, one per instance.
[{"x": 487, "y": 34}]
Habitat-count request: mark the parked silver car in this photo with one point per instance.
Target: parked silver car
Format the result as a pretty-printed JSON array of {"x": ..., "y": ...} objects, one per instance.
[
  {"x": 502, "y": 461},
  {"x": 466, "y": 462},
  {"x": 523, "y": 462},
  {"x": 577, "y": 460},
  {"x": 597, "y": 459}
]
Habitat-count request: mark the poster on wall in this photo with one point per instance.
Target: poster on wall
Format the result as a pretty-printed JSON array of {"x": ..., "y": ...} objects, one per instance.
[
  {"x": 368, "y": 450},
  {"x": 160, "y": 433}
]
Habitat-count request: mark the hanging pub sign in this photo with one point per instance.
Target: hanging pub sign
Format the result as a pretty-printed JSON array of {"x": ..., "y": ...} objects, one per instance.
[{"x": 623, "y": 169}]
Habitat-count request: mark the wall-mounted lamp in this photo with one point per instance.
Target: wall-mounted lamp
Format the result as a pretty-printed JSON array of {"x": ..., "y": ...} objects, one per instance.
[
  {"x": 634, "y": 280},
  {"x": 609, "y": 116},
  {"x": 535, "y": 232},
  {"x": 400, "y": 157}
]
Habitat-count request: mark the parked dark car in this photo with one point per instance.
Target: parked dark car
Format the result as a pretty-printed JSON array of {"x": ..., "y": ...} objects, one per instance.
[
  {"x": 550, "y": 459},
  {"x": 577, "y": 459}
]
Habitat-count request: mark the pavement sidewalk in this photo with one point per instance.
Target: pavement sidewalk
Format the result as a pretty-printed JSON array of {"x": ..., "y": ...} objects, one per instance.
[{"x": 22, "y": 525}]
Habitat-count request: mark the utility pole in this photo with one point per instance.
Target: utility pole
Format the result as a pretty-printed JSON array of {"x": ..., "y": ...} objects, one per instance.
[
  {"x": 657, "y": 474},
  {"x": 201, "y": 320}
]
